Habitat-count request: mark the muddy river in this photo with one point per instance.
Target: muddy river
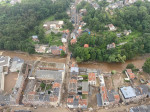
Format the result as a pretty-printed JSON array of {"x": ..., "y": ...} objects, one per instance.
[{"x": 105, "y": 67}]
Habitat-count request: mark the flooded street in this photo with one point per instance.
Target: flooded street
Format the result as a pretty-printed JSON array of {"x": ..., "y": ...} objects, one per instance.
[{"x": 27, "y": 57}]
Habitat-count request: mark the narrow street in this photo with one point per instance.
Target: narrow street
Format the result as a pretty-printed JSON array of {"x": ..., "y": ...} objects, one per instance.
[{"x": 74, "y": 14}]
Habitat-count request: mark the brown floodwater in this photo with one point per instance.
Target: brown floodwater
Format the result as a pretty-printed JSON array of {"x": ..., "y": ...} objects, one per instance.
[{"x": 107, "y": 67}]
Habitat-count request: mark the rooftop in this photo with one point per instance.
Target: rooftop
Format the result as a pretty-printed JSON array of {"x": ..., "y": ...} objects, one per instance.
[{"x": 128, "y": 92}]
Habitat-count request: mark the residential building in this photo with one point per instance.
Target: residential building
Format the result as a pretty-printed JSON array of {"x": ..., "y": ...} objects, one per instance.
[
  {"x": 56, "y": 25},
  {"x": 113, "y": 97},
  {"x": 64, "y": 38},
  {"x": 110, "y": 46},
  {"x": 104, "y": 96},
  {"x": 92, "y": 79},
  {"x": 86, "y": 45},
  {"x": 111, "y": 27},
  {"x": 35, "y": 38},
  {"x": 72, "y": 89},
  {"x": 55, "y": 50},
  {"x": 83, "y": 103},
  {"x": 41, "y": 48},
  {"x": 130, "y": 74},
  {"x": 73, "y": 41}
]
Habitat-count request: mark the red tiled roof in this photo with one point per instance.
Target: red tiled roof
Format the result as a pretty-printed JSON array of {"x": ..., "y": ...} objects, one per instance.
[
  {"x": 117, "y": 97},
  {"x": 70, "y": 100},
  {"x": 56, "y": 85},
  {"x": 129, "y": 70},
  {"x": 83, "y": 102},
  {"x": 104, "y": 93},
  {"x": 86, "y": 45},
  {"x": 91, "y": 77},
  {"x": 131, "y": 75},
  {"x": 73, "y": 41},
  {"x": 55, "y": 52}
]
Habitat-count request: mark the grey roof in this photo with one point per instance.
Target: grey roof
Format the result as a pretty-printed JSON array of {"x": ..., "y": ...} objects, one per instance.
[
  {"x": 56, "y": 91},
  {"x": 75, "y": 102},
  {"x": 4, "y": 60},
  {"x": 72, "y": 88},
  {"x": 16, "y": 64},
  {"x": 85, "y": 86},
  {"x": 46, "y": 98},
  {"x": 142, "y": 108},
  {"x": 74, "y": 69},
  {"x": 18, "y": 60},
  {"x": 128, "y": 92},
  {"x": 110, "y": 96},
  {"x": 4, "y": 99},
  {"x": 48, "y": 74},
  {"x": 99, "y": 100}
]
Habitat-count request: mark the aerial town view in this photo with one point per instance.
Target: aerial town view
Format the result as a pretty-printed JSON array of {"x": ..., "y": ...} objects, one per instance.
[{"x": 74, "y": 55}]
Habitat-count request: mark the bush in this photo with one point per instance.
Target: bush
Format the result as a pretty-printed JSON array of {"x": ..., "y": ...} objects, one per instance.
[
  {"x": 130, "y": 66},
  {"x": 146, "y": 66}
]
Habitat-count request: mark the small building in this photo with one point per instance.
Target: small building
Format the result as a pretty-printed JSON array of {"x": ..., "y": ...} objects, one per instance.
[
  {"x": 92, "y": 79},
  {"x": 130, "y": 74},
  {"x": 86, "y": 45},
  {"x": 41, "y": 48},
  {"x": 111, "y": 27},
  {"x": 35, "y": 38},
  {"x": 119, "y": 34},
  {"x": 70, "y": 102},
  {"x": 127, "y": 32},
  {"x": 113, "y": 97},
  {"x": 55, "y": 50},
  {"x": 73, "y": 41},
  {"x": 64, "y": 38},
  {"x": 110, "y": 46},
  {"x": 83, "y": 103}
]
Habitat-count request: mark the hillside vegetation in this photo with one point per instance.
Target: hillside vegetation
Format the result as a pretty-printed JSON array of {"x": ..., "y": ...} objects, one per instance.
[
  {"x": 18, "y": 21},
  {"x": 135, "y": 17}
]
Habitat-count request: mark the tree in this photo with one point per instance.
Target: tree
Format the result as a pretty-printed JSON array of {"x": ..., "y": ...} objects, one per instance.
[
  {"x": 62, "y": 53},
  {"x": 146, "y": 67},
  {"x": 130, "y": 66},
  {"x": 79, "y": 60}
]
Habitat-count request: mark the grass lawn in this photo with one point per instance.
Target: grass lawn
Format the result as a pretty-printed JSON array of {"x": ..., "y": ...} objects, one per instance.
[
  {"x": 84, "y": 96},
  {"x": 54, "y": 39}
]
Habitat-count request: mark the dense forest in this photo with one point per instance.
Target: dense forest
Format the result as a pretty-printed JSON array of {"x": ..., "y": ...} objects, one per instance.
[
  {"x": 16, "y": 22},
  {"x": 135, "y": 17}
]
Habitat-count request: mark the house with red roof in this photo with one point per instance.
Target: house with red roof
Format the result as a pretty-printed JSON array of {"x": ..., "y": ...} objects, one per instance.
[
  {"x": 86, "y": 45},
  {"x": 104, "y": 96},
  {"x": 130, "y": 74},
  {"x": 92, "y": 79},
  {"x": 111, "y": 27},
  {"x": 73, "y": 41},
  {"x": 83, "y": 103}
]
